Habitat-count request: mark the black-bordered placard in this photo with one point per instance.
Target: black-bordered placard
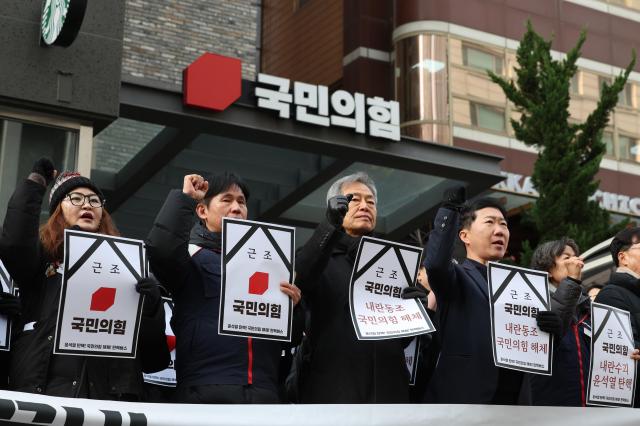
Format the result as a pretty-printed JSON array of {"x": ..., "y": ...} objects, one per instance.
[
  {"x": 166, "y": 377},
  {"x": 99, "y": 310},
  {"x": 612, "y": 372},
  {"x": 381, "y": 270},
  {"x": 5, "y": 322},
  {"x": 256, "y": 257},
  {"x": 517, "y": 295}
]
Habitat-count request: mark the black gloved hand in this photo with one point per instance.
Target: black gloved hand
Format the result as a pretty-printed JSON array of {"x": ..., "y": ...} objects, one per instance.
[
  {"x": 337, "y": 207},
  {"x": 416, "y": 292},
  {"x": 454, "y": 197},
  {"x": 550, "y": 322},
  {"x": 10, "y": 305},
  {"x": 44, "y": 167},
  {"x": 149, "y": 288}
]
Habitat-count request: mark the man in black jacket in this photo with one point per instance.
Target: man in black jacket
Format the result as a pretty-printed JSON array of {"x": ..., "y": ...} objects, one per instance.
[
  {"x": 623, "y": 289},
  {"x": 210, "y": 368},
  {"x": 466, "y": 372},
  {"x": 342, "y": 368}
]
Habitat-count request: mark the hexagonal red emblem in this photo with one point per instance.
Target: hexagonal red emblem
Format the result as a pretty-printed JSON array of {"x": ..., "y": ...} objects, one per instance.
[
  {"x": 212, "y": 82},
  {"x": 103, "y": 298},
  {"x": 258, "y": 283}
]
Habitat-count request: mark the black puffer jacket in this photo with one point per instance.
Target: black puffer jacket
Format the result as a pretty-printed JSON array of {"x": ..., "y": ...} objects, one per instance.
[
  {"x": 342, "y": 368},
  {"x": 571, "y": 353},
  {"x": 33, "y": 366},
  {"x": 623, "y": 292}
]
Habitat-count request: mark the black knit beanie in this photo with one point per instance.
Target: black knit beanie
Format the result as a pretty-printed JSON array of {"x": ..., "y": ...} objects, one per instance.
[{"x": 67, "y": 182}]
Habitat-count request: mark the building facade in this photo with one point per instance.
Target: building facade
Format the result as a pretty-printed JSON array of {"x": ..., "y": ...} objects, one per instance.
[
  {"x": 432, "y": 56},
  {"x": 112, "y": 104}
]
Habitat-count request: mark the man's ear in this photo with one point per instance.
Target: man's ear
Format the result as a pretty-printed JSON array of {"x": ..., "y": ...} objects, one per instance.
[
  {"x": 621, "y": 256},
  {"x": 201, "y": 210},
  {"x": 464, "y": 235}
]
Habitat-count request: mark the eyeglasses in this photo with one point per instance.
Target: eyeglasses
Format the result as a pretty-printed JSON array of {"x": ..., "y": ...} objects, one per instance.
[{"x": 78, "y": 199}]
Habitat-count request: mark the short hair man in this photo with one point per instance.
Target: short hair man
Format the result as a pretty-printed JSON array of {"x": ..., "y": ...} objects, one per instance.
[
  {"x": 623, "y": 289},
  {"x": 344, "y": 369},
  {"x": 210, "y": 368}
]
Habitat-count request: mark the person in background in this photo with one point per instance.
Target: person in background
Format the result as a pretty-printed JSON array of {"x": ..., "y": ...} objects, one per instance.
[
  {"x": 572, "y": 349},
  {"x": 34, "y": 258},
  {"x": 623, "y": 289},
  {"x": 593, "y": 290}
]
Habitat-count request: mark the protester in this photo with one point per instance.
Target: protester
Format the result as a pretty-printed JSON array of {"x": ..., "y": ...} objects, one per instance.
[
  {"x": 623, "y": 289},
  {"x": 33, "y": 259},
  {"x": 567, "y": 386},
  {"x": 342, "y": 368},
  {"x": 593, "y": 290},
  {"x": 211, "y": 368},
  {"x": 466, "y": 372}
]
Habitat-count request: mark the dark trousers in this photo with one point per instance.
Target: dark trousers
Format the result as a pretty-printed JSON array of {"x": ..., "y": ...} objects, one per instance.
[{"x": 226, "y": 394}]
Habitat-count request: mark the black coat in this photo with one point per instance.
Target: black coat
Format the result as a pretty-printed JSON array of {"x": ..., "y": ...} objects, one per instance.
[
  {"x": 343, "y": 369},
  {"x": 567, "y": 386},
  {"x": 33, "y": 366},
  {"x": 204, "y": 357},
  {"x": 465, "y": 373},
  {"x": 623, "y": 292}
]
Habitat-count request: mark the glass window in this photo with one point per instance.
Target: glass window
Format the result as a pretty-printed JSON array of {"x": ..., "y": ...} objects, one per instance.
[
  {"x": 574, "y": 84},
  {"x": 23, "y": 143},
  {"x": 625, "y": 97},
  {"x": 422, "y": 82},
  {"x": 481, "y": 59},
  {"x": 607, "y": 138},
  {"x": 487, "y": 117},
  {"x": 629, "y": 148}
]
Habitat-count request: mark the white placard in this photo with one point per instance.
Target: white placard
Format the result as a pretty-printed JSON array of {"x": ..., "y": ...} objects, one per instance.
[
  {"x": 100, "y": 309},
  {"x": 256, "y": 258},
  {"x": 5, "y": 322},
  {"x": 517, "y": 295},
  {"x": 381, "y": 270},
  {"x": 411, "y": 353},
  {"x": 612, "y": 373},
  {"x": 166, "y": 377}
]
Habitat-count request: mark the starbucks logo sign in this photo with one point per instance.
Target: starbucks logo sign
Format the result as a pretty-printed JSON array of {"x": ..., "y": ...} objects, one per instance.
[{"x": 61, "y": 21}]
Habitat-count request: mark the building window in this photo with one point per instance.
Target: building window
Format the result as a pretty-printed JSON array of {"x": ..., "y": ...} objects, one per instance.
[
  {"x": 607, "y": 138},
  {"x": 575, "y": 84},
  {"x": 487, "y": 117},
  {"x": 625, "y": 97},
  {"x": 481, "y": 59},
  {"x": 629, "y": 148},
  {"x": 422, "y": 87},
  {"x": 23, "y": 143}
]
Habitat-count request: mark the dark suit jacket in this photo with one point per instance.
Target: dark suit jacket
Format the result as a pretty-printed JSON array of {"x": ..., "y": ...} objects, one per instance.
[{"x": 465, "y": 372}]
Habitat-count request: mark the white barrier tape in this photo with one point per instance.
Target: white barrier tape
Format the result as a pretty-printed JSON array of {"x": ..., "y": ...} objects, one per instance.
[{"x": 24, "y": 408}]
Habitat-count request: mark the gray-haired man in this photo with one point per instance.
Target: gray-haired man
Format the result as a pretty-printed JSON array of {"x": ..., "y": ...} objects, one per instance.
[{"x": 342, "y": 368}]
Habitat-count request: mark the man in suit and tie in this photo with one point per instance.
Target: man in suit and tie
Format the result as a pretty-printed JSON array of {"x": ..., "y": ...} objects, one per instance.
[{"x": 466, "y": 373}]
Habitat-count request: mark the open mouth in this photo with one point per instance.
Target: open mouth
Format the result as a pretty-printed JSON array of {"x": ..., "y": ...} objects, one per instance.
[{"x": 87, "y": 215}]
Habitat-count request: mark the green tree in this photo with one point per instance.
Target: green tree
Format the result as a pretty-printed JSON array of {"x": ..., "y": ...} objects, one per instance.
[{"x": 569, "y": 153}]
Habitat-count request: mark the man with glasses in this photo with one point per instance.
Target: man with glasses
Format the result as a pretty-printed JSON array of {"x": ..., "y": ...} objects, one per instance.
[{"x": 623, "y": 289}]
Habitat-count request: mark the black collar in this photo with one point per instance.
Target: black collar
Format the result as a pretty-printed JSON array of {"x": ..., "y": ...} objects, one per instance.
[
  {"x": 624, "y": 280},
  {"x": 202, "y": 237}
]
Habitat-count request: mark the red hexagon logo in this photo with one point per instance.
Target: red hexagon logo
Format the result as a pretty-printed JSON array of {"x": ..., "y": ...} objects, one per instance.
[
  {"x": 103, "y": 298},
  {"x": 258, "y": 283},
  {"x": 212, "y": 82}
]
